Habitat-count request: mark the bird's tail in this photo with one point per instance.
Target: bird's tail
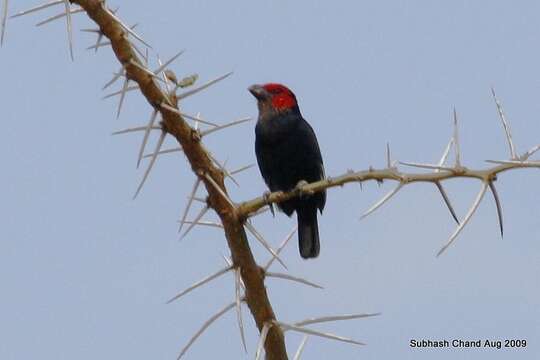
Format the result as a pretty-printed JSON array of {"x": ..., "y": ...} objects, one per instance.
[{"x": 308, "y": 232}]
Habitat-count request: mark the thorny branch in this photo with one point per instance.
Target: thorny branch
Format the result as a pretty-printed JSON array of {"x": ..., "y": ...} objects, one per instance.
[
  {"x": 487, "y": 176},
  {"x": 249, "y": 276},
  {"x": 174, "y": 123}
]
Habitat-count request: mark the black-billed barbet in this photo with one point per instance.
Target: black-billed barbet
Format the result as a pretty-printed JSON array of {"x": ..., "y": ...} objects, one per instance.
[{"x": 287, "y": 153}]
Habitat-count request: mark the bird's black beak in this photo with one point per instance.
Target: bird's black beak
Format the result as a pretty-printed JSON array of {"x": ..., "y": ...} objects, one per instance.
[{"x": 259, "y": 92}]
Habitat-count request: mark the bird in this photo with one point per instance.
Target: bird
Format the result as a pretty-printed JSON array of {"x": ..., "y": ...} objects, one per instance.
[{"x": 288, "y": 154}]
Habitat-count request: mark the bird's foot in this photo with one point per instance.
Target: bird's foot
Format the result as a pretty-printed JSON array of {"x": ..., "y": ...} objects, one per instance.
[
  {"x": 266, "y": 196},
  {"x": 299, "y": 188}
]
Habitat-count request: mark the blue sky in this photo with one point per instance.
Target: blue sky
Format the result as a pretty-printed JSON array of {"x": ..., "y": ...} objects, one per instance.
[{"x": 86, "y": 270}]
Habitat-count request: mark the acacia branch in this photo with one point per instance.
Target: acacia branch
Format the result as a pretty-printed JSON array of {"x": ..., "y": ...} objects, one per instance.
[
  {"x": 490, "y": 174},
  {"x": 174, "y": 124},
  {"x": 486, "y": 176}
]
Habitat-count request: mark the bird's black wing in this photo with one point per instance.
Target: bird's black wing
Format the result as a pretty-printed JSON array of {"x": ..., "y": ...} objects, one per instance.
[{"x": 313, "y": 166}]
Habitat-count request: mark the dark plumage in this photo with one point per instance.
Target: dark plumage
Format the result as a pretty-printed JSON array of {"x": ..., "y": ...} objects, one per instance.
[{"x": 287, "y": 152}]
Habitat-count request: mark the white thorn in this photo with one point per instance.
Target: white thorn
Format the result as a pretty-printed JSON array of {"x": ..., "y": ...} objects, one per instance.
[
  {"x": 198, "y": 119},
  {"x": 224, "y": 169},
  {"x": 281, "y": 247},
  {"x": 224, "y": 126},
  {"x": 163, "y": 75},
  {"x": 195, "y": 221},
  {"x": 445, "y": 153},
  {"x": 96, "y": 31},
  {"x": 100, "y": 37},
  {"x": 388, "y": 156},
  {"x": 190, "y": 201},
  {"x": 122, "y": 91},
  {"x": 37, "y": 8},
  {"x": 301, "y": 348},
  {"x": 151, "y": 164},
  {"x": 167, "y": 151},
  {"x": 200, "y": 283},
  {"x": 146, "y": 135},
  {"x": 126, "y": 28},
  {"x": 515, "y": 162},
  {"x": 59, "y": 16},
  {"x": 219, "y": 190},
  {"x": 168, "y": 62},
  {"x": 106, "y": 43},
  {"x": 456, "y": 140},
  {"x": 499, "y": 207},
  {"x": 263, "y": 242},
  {"x": 69, "y": 27},
  {"x": 381, "y": 202},
  {"x": 333, "y": 318},
  {"x": 98, "y": 45},
  {"x": 98, "y": 41},
  {"x": 135, "y": 129},
  {"x": 286, "y": 327},
  {"x": 146, "y": 56},
  {"x": 505, "y": 125},
  {"x": 293, "y": 278},
  {"x": 205, "y": 223},
  {"x": 144, "y": 69},
  {"x": 243, "y": 168},
  {"x": 205, "y": 326},
  {"x": 427, "y": 166},
  {"x": 530, "y": 153},
  {"x": 117, "y": 75},
  {"x": 4, "y": 20},
  {"x": 227, "y": 260},
  {"x": 447, "y": 201},
  {"x": 262, "y": 340},
  {"x": 238, "y": 286},
  {"x": 199, "y": 199},
  {"x": 122, "y": 96},
  {"x": 202, "y": 87},
  {"x": 470, "y": 213},
  {"x": 176, "y": 111}
]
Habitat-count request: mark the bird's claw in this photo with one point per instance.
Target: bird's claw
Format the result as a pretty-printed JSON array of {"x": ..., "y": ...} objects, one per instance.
[
  {"x": 299, "y": 187},
  {"x": 266, "y": 196}
]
